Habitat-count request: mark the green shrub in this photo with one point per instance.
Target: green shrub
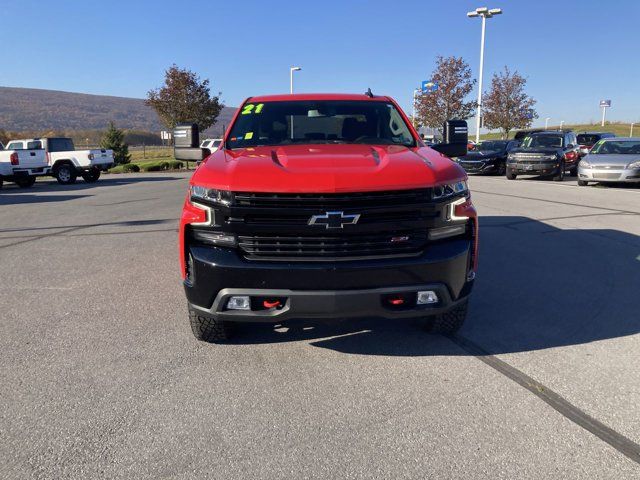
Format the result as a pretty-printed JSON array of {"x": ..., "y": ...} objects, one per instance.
[
  {"x": 160, "y": 166},
  {"x": 154, "y": 166},
  {"x": 125, "y": 168},
  {"x": 175, "y": 164}
]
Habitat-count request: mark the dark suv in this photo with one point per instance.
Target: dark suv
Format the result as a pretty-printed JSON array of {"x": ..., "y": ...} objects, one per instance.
[{"x": 550, "y": 153}]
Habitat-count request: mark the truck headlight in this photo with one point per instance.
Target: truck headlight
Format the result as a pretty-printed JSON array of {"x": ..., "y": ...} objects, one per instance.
[
  {"x": 634, "y": 164},
  {"x": 584, "y": 163},
  {"x": 511, "y": 158},
  {"x": 221, "y": 197},
  {"x": 551, "y": 157},
  {"x": 449, "y": 190}
]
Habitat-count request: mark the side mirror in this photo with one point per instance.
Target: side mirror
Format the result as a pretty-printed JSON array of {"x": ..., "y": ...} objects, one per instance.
[
  {"x": 186, "y": 141},
  {"x": 455, "y": 139},
  {"x": 571, "y": 145}
]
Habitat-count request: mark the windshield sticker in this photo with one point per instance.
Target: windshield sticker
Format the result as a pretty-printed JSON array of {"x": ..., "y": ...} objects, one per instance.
[
  {"x": 248, "y": 135},
  {"x": 252, "y": 108}
]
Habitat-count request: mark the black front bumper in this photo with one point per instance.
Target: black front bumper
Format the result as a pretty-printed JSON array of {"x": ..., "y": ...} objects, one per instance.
[
  {"x": 354, "y": 288},
  {"x": 551, "y": 168}
]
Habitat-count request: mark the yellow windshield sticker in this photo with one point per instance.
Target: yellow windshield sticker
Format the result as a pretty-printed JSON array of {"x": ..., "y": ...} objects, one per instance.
[
  {"x": 249, "y": 108},
  {"x": 248, "y": 135}
]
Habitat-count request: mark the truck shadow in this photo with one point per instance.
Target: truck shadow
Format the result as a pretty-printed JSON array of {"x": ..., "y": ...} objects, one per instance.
[
  {"x": 10, "y": 190},
  {"x": 538, "y": 287},
  {"x": 29, "y": 198}
]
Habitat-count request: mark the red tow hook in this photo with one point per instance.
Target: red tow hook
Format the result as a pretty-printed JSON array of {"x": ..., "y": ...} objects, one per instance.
[{"x": 271, "y": 304}]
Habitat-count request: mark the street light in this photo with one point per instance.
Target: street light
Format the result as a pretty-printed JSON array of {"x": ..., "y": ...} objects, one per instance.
[
  {"x": 631, "y": 131},
  {"x": 546, "y": 122},
  {"x": 561, "y": 124},
  {"x": 291, "y": 70},
  {"x": 485, "y": 13}
]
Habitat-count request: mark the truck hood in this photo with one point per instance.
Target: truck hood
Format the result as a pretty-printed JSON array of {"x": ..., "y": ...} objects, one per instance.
[{"x": 326, "y": 168}]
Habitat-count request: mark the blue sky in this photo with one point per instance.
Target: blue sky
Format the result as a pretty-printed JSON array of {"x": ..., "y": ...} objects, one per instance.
[{"x": 573, "y": 52}]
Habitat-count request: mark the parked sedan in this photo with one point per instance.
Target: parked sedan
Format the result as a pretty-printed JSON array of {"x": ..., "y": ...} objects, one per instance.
[
  {"x": 611, "y": 160},
  {"x": 488, "y": 157}
]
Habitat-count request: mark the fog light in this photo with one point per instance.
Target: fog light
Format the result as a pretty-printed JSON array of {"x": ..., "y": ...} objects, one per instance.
[
  {"x": 427, "y": 297},
  {"x": 239, "y": 302}
]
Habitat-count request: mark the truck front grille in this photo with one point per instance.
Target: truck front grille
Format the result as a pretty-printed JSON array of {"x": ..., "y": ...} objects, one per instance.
[
  {"x": 386, "y": 244},
  {"x": 333, "y": 200},
  {"x": 279, "y": 226}
]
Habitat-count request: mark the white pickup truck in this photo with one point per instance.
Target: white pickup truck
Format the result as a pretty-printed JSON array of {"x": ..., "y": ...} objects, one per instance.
[
  {"x": 67, "y": 163},
  {"x": 22, "y": 165}
]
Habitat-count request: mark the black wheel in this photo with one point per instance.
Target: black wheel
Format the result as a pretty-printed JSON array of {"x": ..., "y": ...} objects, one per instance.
[
  {"x": 511, "y": 176},
  {"x": 502, "y": 169},
  {"x": 26, "y": 182},
  {"x": 65, "y": 174},
  {"x": 1, "y": 181},
  {"x": 451, "y": 321},
  {"x": 91, "y": 176},
  {"x": 558, "y": 177},
  {"x": 208, "y": 329},
  {"x": 574, "y": 171},
  {"x": 582, "y": 183}
]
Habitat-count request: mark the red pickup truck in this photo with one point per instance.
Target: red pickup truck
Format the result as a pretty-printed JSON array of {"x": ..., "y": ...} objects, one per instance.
[{"x": 327, "y": 206}]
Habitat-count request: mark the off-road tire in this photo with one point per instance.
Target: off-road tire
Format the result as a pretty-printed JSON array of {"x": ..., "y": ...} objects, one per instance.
[
  {"x": 511, "y": 176},
  {"x": 208, "y": 329},
  {"x": 91, "y": 176},
  {"x": 25, "y": 182},
  {"x": 582, "y": 183},
  {"x": 450, "y": 322},
  {"x": 65, "y": 174}
]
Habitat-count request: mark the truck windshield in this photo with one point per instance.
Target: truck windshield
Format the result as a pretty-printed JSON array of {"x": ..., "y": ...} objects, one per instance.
[
  {"x": 322, "y": 121},
  {"x": 543, "y": 141}
]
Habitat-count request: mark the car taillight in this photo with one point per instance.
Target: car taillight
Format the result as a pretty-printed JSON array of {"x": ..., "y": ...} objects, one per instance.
[
  {"x": 570, "y": 156},
  {"x": 14, "y": 158}
]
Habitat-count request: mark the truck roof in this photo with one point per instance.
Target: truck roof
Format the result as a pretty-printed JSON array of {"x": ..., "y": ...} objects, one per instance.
[{"x": 317, "y": 96}]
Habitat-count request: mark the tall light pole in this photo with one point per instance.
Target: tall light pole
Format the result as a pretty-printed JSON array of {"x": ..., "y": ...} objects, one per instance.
[
  {"x": 484, "y": 13},
  {"x": 546, "y": 122},
  {"x": 631, "y": 130},
  {"x": 291, "y": 70},
  {"x": 561, "y": 124}
]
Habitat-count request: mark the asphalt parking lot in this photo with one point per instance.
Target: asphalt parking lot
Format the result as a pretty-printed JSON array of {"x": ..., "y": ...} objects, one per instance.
[{"x": 101, "y": 378}]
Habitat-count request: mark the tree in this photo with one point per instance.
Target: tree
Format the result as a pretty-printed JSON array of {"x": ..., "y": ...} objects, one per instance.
[
  {"x": 454, "y": 83},
  {"x": 113, "y": 139},
  {"x": 4, "y": 136},
  {"x": 506, "y": 106},
  {"x": 184, "y": 98}
]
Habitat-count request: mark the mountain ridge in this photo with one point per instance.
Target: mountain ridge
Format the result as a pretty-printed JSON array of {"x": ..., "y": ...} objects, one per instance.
[{"x": 35, "y": 109}]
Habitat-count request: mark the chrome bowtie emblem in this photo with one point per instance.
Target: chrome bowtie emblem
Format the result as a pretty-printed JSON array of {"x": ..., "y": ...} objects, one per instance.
[{"x": 334, "y": 219}]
